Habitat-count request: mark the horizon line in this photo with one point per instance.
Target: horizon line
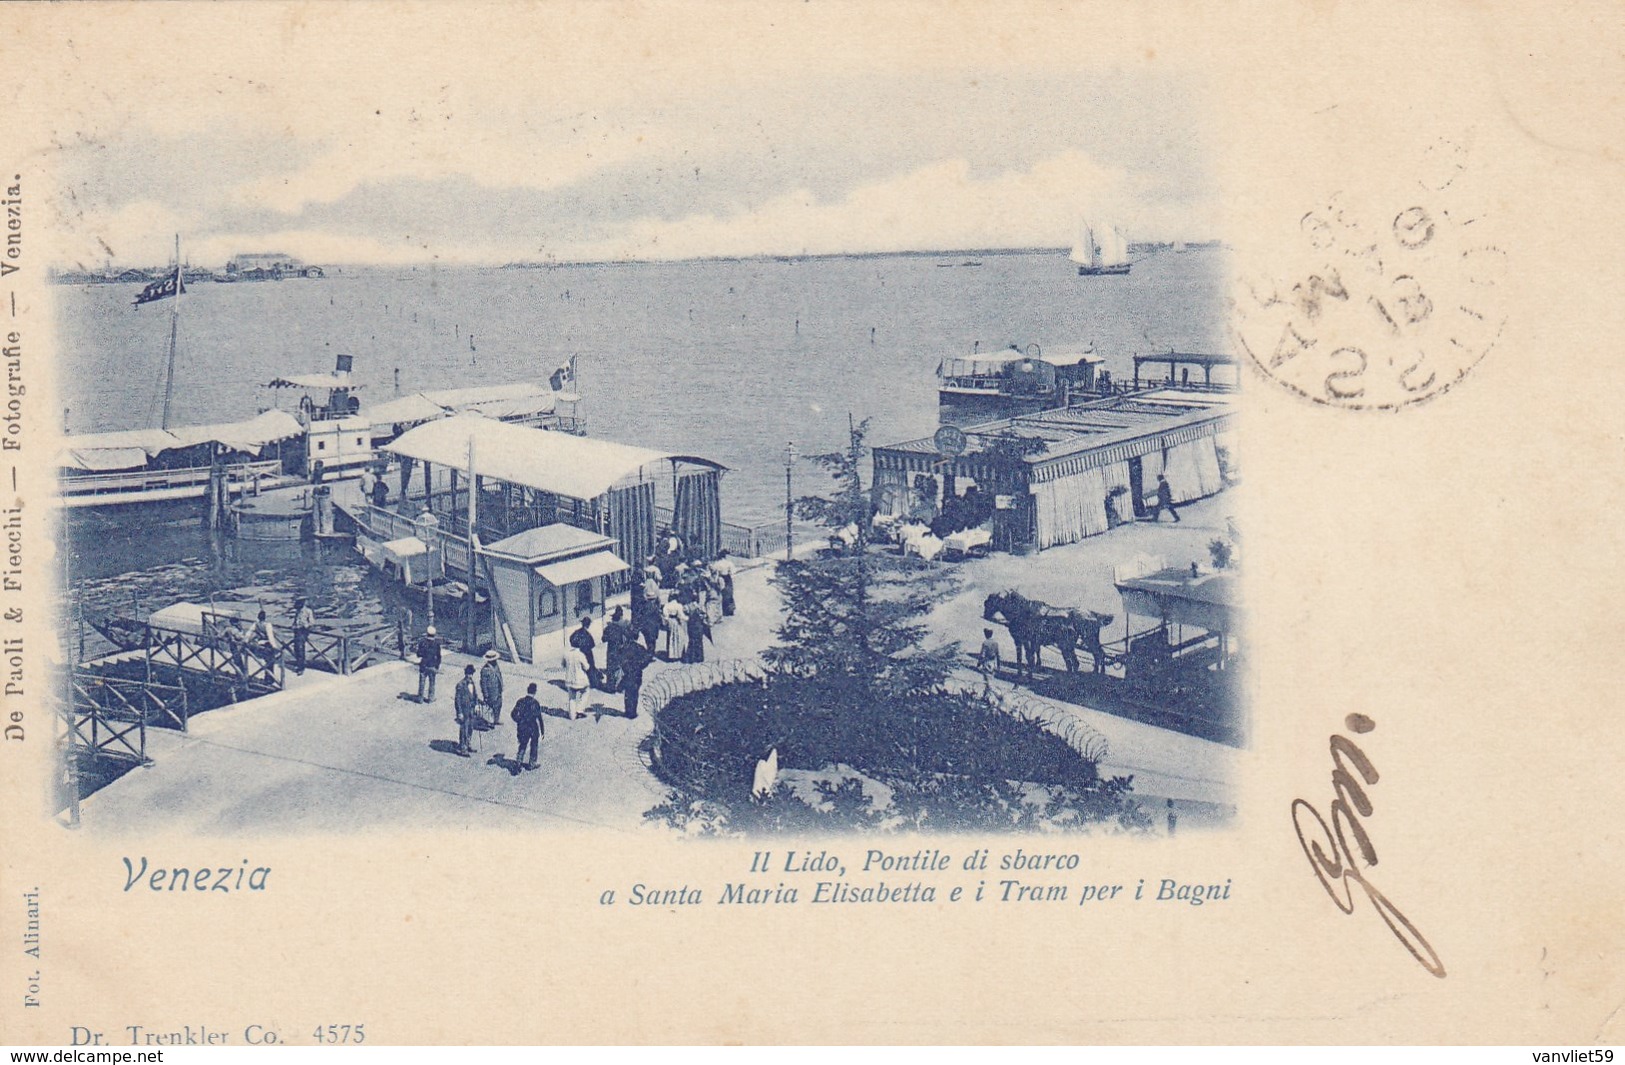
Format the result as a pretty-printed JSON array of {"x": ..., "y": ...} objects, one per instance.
[{"x": 544, "y": 264}]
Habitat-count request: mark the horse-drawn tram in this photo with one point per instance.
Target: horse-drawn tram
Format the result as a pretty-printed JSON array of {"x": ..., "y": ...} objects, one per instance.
[
  {"x": 1173, "y": 665},
  {"x": 1186, "y": 654}
]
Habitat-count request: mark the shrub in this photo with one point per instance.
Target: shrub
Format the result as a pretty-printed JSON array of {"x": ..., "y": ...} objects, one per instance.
[{"x": 950, "y": 762}]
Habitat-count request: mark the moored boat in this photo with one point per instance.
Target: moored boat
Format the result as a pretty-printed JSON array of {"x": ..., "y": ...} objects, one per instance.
[{"x": 1013, "y": 381}]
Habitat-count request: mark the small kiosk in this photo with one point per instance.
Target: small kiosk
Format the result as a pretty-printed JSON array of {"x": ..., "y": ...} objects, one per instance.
[{"x": 543, "y": 581}]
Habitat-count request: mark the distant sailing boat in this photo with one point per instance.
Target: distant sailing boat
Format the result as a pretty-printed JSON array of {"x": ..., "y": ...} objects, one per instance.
[{"x": 1101, "y": 249}]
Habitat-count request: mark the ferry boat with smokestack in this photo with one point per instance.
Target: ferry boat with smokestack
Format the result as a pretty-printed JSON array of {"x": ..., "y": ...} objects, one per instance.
[
  {"x": 326, "y": 436},
  {"x": 1013, "y": 381}
]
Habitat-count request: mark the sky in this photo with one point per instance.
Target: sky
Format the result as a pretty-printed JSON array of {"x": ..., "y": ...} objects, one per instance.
[{"x": 468, "y": 134}]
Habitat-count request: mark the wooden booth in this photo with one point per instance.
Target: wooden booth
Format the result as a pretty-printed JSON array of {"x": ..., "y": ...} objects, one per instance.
[{"x": 543, "y": 581}]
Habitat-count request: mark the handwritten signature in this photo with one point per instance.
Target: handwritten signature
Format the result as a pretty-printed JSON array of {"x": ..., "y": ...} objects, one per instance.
[{"x": 1341, "y": 869}]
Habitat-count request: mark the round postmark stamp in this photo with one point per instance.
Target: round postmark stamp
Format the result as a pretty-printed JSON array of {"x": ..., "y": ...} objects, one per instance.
[{"x": 1383, "y": 301}]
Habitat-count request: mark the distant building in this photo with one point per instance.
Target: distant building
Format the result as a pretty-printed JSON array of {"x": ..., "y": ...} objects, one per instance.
[{"x": 264, "y": 264}]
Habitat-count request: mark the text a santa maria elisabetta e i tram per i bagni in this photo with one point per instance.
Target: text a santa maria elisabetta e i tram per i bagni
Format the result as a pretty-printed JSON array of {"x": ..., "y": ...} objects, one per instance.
[{"x": 928, "y": 875}]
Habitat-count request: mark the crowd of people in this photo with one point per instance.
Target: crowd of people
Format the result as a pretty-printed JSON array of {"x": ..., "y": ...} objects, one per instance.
[
  {"x": 681, "y": 597},
  {"x": 676, "y": 600}
]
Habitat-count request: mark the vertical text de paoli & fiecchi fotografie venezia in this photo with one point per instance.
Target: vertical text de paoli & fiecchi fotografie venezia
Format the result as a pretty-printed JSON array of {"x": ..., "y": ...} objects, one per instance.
[{"x": 13, "y": 686}]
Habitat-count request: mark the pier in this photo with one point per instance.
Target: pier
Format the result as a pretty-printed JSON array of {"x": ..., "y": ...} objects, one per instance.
[{"x": 334, "y": 752}]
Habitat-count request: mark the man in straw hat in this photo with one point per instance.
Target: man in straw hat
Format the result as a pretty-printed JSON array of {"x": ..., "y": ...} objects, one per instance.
[
  {"x": 491, "y": 686},
  {"x": 428, "y": 650}
]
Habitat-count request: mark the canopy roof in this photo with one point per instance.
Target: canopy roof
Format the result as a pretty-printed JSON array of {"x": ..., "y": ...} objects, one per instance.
[
  {"x": 582, "y": 568},
  {"x": 497, "y": 401},
  {"x": 1206, "y": 601},
  {"x": 336, "y": 379},
  {"x": 414, "y": 408},
  {"x": 252, "y": 435},
  {"x": 574, "y": 466},
  {"x": 134, "y": 447},
  {"x": 1174, "y": 358},
  {"x": 1071, "y": 358}
]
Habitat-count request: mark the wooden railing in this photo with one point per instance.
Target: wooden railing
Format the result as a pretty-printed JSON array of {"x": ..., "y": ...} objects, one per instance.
[{"x": 342, "y": 651}]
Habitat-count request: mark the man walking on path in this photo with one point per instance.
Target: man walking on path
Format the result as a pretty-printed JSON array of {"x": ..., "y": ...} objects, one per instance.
[
  {"x": 527, "y": 715},
  {"x": 304, "y": 619},
  {"x": 491, "y": 686},
  {"x": 582, "y": 641},
  {"x": 987, "y": 661},
  {"x": 617, "y": 635},
  {"x": 633, "y": 664},
  {"x": 1165, "y": 499},
  {"x": 465, "y": 700},
  {"x": 428, "y": 664}
]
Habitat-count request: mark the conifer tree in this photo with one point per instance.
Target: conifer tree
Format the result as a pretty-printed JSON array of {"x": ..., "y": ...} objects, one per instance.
[{"x": 854, "y": 619}]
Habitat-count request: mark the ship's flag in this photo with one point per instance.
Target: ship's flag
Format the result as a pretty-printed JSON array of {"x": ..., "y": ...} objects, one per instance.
[
  {"x": 162, "y": 289},
  {"x": 564, "y": 377}
]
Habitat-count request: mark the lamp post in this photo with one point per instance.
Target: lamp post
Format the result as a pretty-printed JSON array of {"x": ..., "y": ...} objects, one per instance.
[
  {"x": 425, "y": 527},
  {"x": 790, "y": 457}
]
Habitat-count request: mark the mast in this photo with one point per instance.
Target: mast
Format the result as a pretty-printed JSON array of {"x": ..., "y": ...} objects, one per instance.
[
  {"x": 470, "y": 640},
  {"x": 174, "y": 328}
]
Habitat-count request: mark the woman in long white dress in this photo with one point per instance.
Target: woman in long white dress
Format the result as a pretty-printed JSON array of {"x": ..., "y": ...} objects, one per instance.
[
  {"x": 576, "y": 681},
  {"x": 676, "y": 630}
]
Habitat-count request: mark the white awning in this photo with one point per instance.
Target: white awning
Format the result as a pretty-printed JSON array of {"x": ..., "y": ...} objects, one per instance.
[
  {"x": 131, "y": 449},
  {"x": 102, "y": 459},
  {"x": 113, "y": 451},
  {"x": 459, "y": 398},
  {"x": 573, "y": 466},
  {"x": 520, "y": 400},
  {"x": 582, "y": 568},
  {"x": 250, "y": 436},
  {"x": 414, "y": 408}
]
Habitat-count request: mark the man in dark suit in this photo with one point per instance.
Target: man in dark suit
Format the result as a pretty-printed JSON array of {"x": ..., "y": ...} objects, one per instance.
[
  {"x": 527, "y": 715},
  {"x": 465, "y": 700}
]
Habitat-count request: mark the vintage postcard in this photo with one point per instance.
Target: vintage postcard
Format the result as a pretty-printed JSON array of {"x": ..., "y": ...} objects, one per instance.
[{"x": 768, "y": 522}]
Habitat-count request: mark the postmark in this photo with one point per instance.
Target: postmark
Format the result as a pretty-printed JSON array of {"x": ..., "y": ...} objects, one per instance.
[{"x": 1382, "y": 301}]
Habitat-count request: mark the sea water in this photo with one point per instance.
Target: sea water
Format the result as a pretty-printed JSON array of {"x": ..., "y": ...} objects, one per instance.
[{"x": 728, "y": 359}]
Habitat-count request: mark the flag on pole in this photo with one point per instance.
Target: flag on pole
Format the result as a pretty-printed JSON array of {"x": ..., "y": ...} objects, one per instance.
[
  {"x": 161, "y": 289},
  {"x": 564, "y": 377}
]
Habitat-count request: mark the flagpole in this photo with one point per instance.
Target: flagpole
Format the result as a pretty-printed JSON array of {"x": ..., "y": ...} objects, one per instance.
[
  {"x": 174, "y": 327},
  {"x": 470, "y": 642}
]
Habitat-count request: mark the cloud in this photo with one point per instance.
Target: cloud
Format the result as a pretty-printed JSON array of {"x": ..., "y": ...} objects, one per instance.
[
  {"x": 618, "y": 153},
  {"x": 939, "y": 206}
]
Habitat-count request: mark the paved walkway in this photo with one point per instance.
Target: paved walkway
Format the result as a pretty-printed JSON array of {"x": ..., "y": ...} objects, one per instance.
[{"x": 345, "y": 754}]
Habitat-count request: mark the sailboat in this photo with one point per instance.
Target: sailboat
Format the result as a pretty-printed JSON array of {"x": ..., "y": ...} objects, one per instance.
[{"x": 1101, "y": 249}]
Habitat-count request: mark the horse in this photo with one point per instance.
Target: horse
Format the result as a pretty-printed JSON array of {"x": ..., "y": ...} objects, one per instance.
[
  {"x": 1087, "y": 624},
  {"x": 1035, "y": 625}
]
